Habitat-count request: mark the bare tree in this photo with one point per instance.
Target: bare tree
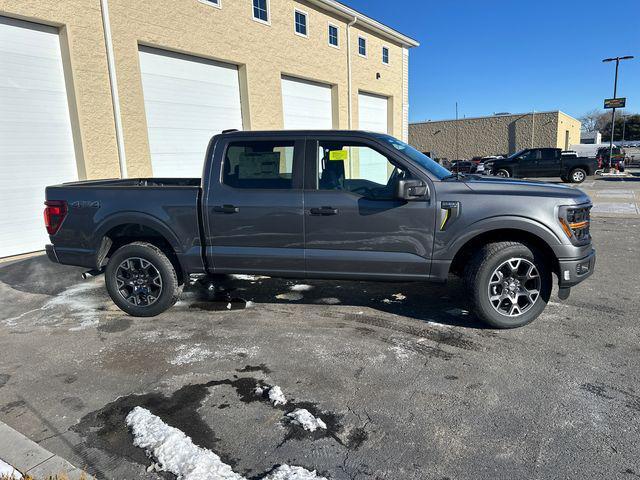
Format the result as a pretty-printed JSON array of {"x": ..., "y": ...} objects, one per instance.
[{"x": 592, "y": 120}]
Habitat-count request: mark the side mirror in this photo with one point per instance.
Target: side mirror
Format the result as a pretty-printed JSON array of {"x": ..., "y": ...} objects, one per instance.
[{"x": 412, "y": 189}]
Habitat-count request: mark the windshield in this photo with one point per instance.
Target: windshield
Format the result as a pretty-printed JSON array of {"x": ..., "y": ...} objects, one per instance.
[
  {"x": 517, "y": 154},
  {"x": 420, "y": 158}
]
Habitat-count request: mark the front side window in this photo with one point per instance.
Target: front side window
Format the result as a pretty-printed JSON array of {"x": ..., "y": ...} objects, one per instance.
[
  {"x": 259, "y": 164},
  {"x": 300, "y": 23},
  {"x": 333, "y": 35},
  {"x": 385, "y": 55},
  {"x": 357, "y": 168},
  {"x": 362, "y": 46},
  {"x": 261, "y": 10}
]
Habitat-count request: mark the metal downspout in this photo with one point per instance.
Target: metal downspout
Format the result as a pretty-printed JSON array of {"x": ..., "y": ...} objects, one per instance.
[
  {"x": 349, "y": 82},
  {"x": 111, "y": 65}
]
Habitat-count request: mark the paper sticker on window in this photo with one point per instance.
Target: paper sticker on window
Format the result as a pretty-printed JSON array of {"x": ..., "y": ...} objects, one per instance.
[{"x": 338, "y": 155}]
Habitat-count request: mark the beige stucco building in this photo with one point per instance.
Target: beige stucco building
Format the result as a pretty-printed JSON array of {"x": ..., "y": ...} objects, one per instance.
[
  {"x": 110, "y": 88},
  {"x": 494, "y": 135}
]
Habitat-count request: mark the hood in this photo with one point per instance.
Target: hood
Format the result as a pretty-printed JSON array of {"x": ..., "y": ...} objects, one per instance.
[{"x": 509, "y": 186}]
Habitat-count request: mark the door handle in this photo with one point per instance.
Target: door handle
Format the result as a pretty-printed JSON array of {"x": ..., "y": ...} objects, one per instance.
[
  {"x": 226, "y": 209},
  {"x": 324, "y": 211}
]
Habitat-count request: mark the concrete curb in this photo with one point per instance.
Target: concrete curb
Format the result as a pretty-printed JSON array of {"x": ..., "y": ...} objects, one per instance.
[{"x": 31, "y": 459}]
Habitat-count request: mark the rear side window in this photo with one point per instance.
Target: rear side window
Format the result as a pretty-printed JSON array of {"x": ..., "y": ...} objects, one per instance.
[{"x": 259, "y": 164}]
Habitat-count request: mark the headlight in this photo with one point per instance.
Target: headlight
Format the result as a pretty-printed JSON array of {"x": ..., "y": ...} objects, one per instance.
[{"x": 575, "y": 222}]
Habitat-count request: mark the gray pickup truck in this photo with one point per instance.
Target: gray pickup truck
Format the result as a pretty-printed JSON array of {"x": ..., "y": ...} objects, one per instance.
[{"x": 325, "y": 204}]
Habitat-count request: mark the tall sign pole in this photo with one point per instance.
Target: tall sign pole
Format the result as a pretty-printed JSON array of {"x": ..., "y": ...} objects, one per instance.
[{"x": 614, "y": 103}]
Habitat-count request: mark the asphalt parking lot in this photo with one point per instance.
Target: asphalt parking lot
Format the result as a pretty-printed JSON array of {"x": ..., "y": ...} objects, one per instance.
[{"x": 409, "y": 384}]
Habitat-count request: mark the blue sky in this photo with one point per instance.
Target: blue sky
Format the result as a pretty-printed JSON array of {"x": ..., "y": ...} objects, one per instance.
[{"x": 514, "y": 56}]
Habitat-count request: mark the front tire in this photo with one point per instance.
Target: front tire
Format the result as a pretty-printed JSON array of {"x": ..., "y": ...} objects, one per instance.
[
  {"x": 509, "y": 284},
  {"x": 141, "y": 280},
  {"x": 503, "y": 172},
  {"x": 577, "y": 175}
]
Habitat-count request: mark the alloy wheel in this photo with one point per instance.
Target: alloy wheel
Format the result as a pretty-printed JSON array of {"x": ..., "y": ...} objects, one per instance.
[
  {"x": 138, "y": 281},
  {"x": 514, "y": 287},
  {"x": 578, "y": 176}
]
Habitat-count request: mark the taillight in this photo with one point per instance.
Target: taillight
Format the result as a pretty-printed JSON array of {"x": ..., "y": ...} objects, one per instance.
[{"x": 54, "y": 213}]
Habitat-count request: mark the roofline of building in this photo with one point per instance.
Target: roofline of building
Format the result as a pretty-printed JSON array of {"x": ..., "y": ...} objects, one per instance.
[
  {"x": 492, "y": 116},
  {"x": 374, "y": 25}
]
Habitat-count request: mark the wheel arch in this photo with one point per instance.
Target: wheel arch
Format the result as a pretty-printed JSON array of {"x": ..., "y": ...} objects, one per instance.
[
  {"x": 531, "y": 234},
  {"x": 126, "y": 228}
]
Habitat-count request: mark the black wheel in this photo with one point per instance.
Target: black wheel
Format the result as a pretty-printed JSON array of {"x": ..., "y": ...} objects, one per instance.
[
  {"x": 503, "y": 172},
  {"x": 141, "y": 280},
  {"x": 577, "y": 175},
  {"x": 509, "y": 284}
]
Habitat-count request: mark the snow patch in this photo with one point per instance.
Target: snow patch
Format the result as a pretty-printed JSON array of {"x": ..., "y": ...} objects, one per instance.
[
  {"x": 187, "y": 355},
  {"x": 8, "y": 472},
  {"x": 399, "y": 296},
  {"x": 249, "y": 278},
  {"x": 293, "y": 296},
  {"x": 275, "y": 394},
  {"x": 301, "y": 287},
  {"x": 304, "y": 418},
  {"x": 287, "y": 472},
  {"x": 174, "y": 452}
]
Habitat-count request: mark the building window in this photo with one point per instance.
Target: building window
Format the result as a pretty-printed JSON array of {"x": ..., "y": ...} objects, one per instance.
[
  {"x": 362, "y": 46},
  {"x": 333, "y": 36},
  {"x": 215, "y": 3},
  {"x": 261, "y": 10},
  {"x": 300, "y": 19},
  {"x": 259, "y": 164},
  {"x": 385, "y": 55}
]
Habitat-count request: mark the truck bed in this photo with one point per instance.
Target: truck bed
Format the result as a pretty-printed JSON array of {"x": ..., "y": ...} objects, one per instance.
[{"x": 136, "y": 207}]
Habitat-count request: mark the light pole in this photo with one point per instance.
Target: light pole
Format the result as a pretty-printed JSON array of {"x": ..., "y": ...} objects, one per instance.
[{"x": 613, "y": 111}]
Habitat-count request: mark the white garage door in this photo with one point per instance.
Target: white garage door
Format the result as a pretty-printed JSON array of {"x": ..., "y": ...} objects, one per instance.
[
  {"x": 372, "y": 115},
  {"x": 187, "y": 101},
  {"x": 306, "y": 105},
  {"x": 36, "y": 144}
]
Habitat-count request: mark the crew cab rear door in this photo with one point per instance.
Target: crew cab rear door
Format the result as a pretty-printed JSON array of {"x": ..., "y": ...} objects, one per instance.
[
  {"x": 355, "y": 225},
  {"x": 252, "y": 206},
  {"x": 549, "y": 162}
]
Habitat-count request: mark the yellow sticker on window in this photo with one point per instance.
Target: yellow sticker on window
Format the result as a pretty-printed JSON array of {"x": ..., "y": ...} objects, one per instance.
[{"x": 338, "y": 155}]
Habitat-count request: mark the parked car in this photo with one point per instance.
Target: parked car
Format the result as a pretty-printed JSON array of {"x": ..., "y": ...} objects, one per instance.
[
  {"x": 286, "y": 204},
  {"x": 462, "y": 166},
  {"x": 545, "y": 162}
]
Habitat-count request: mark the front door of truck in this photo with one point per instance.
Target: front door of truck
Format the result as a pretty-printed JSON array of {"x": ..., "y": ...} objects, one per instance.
[
  {"x": 355, "y": 224},
  {"x": 253, "y": 215}
]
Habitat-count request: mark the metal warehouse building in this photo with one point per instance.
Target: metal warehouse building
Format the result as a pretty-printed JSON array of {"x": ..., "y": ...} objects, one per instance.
[
  {"x": 494, "y": 135},
  {"x": 109, "y": 88}
]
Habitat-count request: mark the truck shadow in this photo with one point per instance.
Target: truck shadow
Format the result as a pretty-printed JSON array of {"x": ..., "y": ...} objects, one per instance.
[{"x": 427, "y": 302}]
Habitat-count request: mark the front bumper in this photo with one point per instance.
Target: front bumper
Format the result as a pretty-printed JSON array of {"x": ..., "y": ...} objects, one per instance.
[{"x": 572, "y": 271}]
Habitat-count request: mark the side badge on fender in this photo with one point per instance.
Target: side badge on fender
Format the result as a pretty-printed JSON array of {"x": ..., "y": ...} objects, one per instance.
[{"x": 449, "y": 212}]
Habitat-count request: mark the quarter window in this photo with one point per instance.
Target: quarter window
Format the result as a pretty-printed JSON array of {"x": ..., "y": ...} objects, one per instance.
[
  {"x": 333, "y": 36},
  {"x": 362, "y": 46},
  {"x": 258, "y": 164},
  {"x": 261, "y": 10},
  {"x": 357, "y": 168},
  {"x": 300, "y": 23},
  {"x": 385, "y": 55}
]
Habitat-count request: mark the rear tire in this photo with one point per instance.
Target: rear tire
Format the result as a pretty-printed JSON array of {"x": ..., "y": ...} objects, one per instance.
[
  {"x": 577, "y": 175},
  {"x": 141, "y": 280},
  {"x": 508, "y": 283},
  {"x": 503, "y": 172}
]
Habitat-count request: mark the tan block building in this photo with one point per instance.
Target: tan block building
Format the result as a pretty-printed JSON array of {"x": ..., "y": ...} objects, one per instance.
[
  {"x": 494, "y": 135},
  {"x": 108, "y": 88}
]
